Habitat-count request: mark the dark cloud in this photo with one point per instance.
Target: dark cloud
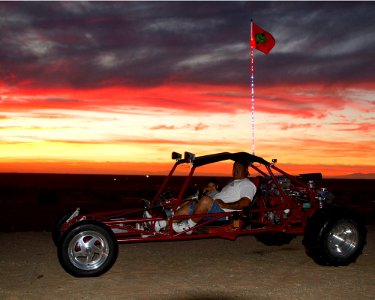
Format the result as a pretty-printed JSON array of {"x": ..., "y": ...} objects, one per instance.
[
  {"x": 286, "y": 126},
  {"x": 62, "y": 100},
  {"x": 163, "y": 127},
  {"x": 86, "y": 44},
  {"x": 200, "y": 126},
  {"x": 197, "y": 127}
]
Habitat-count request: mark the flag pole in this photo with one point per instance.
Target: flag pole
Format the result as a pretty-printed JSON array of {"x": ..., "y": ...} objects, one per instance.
[
  {"x": 252, "y": 88},
  {"x": 264, "y": 42}
]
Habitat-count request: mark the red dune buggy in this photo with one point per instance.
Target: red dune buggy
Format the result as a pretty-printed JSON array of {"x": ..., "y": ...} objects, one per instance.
[{"x": 283, "y": 207}]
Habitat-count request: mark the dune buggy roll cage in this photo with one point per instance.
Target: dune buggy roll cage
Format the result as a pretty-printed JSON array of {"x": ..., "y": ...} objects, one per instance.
[
  {"x": 287, "y": 213},
  {"x": 250, "y": 159}
]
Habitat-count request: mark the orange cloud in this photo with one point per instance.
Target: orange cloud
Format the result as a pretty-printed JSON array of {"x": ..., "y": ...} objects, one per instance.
[{"x": 350, "y": 126}]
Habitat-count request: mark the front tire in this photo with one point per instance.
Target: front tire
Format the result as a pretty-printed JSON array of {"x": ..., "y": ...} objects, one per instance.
[
  {"x": 334, "y": 236},
  {"x": 87, "y": 249},
  {"x": 56, "y": 229}
]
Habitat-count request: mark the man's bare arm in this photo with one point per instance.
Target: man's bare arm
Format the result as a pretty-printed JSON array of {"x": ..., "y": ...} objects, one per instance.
[{"x": 240, "y": 204}]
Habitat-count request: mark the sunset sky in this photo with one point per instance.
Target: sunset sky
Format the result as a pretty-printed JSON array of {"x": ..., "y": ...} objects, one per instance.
[{"x": 114, "y": 88}]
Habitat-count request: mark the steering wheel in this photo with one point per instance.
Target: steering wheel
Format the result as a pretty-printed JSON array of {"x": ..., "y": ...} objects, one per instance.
[
  {"x": 167, "y": 199},
  {"x": 197, "y": 195}
]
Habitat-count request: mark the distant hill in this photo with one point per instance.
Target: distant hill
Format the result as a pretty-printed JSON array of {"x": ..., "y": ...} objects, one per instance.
[{"x": 357, "y": 176}]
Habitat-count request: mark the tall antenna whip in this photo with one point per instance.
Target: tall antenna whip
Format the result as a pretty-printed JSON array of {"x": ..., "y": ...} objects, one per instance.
[
  {"x": 252, "y": 88},
  {"x": 264, "y": 42}
]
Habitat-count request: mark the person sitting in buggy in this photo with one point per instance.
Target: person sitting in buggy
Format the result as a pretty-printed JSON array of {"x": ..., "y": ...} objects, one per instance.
[
  {"x": 212, "y": 188},
  {"x": 236, "y": 195}
]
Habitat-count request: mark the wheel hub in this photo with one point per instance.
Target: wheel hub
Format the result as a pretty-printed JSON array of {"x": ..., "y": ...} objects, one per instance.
[
  {"x": 343, "y": 239},
  {"x": 88, "y": 250}
]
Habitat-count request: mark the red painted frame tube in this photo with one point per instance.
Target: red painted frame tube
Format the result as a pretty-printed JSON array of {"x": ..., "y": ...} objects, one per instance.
[
  {"x": 258, "y": 170},
  {"x": 183, "y": 188},
  {"x": 301, "y": 183},
  {"x": 291, "y": 177},
  {"x": 284, "y": 196},
  {"x": 165, "y": 182}
]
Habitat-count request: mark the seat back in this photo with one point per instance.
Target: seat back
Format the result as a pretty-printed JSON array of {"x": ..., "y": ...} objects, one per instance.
[{"x": 257, "y": 182}]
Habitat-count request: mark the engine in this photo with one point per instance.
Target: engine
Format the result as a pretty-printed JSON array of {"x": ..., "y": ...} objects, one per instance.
[{"x": 299, "y": 193}]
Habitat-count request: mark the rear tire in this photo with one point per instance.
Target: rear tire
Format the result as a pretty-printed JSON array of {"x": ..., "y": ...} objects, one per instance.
[
  {"x": 334, "y": 236},
  {"x": 87, "y": 249}
]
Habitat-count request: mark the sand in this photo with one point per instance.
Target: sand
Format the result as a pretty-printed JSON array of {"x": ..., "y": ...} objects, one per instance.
[{"x": 202, "y": 269}]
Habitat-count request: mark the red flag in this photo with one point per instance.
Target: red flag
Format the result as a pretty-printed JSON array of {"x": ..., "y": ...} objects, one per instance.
[{"x": 261, "y": 39}]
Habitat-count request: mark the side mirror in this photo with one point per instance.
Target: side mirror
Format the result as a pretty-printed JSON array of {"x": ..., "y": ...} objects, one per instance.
[{"x": 176, "y": 156}]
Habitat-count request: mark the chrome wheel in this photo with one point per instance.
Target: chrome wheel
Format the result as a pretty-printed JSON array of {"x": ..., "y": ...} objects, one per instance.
[
  {"x": 88, "y": 250},
  {"x": 343, "y": 239},
  {"x": 334, "y": 236}
]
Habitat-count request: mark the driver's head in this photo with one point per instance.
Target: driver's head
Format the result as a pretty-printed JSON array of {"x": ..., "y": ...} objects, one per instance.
[{"x": 240, "y": 169}]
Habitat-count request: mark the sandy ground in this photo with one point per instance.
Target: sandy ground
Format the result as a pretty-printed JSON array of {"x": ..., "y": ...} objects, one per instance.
[{"x": 204, "y": 269}]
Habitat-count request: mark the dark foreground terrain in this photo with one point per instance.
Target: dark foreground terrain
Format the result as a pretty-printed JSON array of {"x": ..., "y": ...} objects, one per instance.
[
  {"x": 31, "y": 202},
  {"x": 201, "y": 269}
]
